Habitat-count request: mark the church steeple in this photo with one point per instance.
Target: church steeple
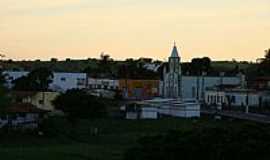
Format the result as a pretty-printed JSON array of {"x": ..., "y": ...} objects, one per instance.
[
  {"x": 172, "y": 79},
  {"x": 174, "y": 53}
]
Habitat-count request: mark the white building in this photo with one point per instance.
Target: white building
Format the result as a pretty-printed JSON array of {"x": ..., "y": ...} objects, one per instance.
[
  {"x": 60, "y": 82},
  {"x": 236, "y": 97},
  {"x": 155, "y": 108},
  {"x": 195, "y": 86},
  {"x": 178, "y": 86},
  {"x": 66, "y": 81},
  {"x": 94, "y": 83},
  {"x": 102, "y": 87}
]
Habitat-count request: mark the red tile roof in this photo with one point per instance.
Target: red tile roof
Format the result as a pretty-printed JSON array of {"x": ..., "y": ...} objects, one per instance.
[{"x": 23, "y": 94}]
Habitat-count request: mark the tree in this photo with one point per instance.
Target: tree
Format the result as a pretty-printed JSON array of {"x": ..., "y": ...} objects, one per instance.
[
  {"x": 206, "y": 64},
  {"x": 267, "y": 54},
  {"x": 79, "y": 104},
  {"x": 199, "y": 65},
  {"x": 4, "y": 97},
  {"x": 105, "y": 58},
  {"x": 37, "y": 80},
  {"x": 247, "y": 142},
  {"x": 264, "y": 66},
  {"x": 54, "y": 60}
]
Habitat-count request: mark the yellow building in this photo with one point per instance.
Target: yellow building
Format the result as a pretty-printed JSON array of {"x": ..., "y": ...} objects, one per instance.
[{"x": 42, "y": 100}]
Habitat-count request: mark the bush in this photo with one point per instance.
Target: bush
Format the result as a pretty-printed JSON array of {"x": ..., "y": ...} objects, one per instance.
[
  {"x": 79, "y": 104},
  {"x": 213, "y": 143}
]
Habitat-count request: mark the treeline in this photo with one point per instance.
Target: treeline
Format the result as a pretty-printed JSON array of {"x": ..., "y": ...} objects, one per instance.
[{"x": 107, "y": 67}]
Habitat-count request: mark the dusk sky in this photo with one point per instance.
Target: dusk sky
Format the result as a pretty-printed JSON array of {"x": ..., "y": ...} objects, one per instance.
[{"x": 219, "y": 29}]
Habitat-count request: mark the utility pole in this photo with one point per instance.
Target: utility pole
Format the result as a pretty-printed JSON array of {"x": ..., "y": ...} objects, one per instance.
[{"x": 247, "y": 102}]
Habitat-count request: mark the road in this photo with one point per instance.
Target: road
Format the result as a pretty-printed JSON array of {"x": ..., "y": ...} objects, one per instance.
[{"x": 240, "y": 115}]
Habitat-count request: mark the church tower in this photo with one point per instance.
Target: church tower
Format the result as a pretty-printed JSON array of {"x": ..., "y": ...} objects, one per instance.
[{"x": 172, "y": 82}]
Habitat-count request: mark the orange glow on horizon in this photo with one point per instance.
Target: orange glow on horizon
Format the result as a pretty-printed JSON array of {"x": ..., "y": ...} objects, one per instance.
[{"x": 223, "y": 30}]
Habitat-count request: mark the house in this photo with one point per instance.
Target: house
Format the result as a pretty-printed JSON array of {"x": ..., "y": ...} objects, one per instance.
[
  {"x": 21, "y": 116},
  {"x": 42, "y": 100},
  {"x": 65, "y": 81},
  {"x": 139, "y": 89},
  {"x": 61, "y": 81}
]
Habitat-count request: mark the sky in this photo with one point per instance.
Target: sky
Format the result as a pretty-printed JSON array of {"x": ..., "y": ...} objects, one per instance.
[{"x": 219, "y": 29}]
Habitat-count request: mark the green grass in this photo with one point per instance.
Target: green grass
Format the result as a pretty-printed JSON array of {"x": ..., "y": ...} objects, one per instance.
[{"x": 78, "y": 142}]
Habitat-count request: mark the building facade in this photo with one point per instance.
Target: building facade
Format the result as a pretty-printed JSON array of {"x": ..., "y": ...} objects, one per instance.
[
  {"x": 61, "y": 81},
  {"x": 108, "y": 84},
  {"x": 233, "y": 97},
  {"x": 178, "y": 86},
  {"x": 41, "y": 100},
  {"x": 172, "y": 77},
  {"x": 139, "y": 89}
]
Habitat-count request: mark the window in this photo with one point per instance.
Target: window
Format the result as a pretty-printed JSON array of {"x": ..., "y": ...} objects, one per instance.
[
  {"x": 91, "y": 86},
  {"x": 193, "y": 92},
  {"x": 80, "y": 81},
  {"x": 233, "y": 99},
  {"x": 23, "y": 115},
  {"x": 41, "y": 101},
  {"x": 63, "y": 79}
]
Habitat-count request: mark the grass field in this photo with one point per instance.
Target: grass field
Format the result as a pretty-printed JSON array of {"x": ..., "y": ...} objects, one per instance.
[{"x": 77, "y": 142}]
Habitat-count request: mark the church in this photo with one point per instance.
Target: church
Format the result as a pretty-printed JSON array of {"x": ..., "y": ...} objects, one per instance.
[{"x": 175, "y": 85}]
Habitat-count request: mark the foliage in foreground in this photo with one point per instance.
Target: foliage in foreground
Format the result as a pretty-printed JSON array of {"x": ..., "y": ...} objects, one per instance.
[
  {"x": 79, "y": 104},
  {"x": 37, "y": 80},
  {"x": 213, "y": 143}
]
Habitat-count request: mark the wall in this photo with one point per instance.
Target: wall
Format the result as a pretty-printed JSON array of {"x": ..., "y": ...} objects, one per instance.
[
  {"x": 102, "y": 84},
  {"x": 139, "y": 89},
  {"x": 236, "y": 98},
  {"x": 43, "y": 100},
  {"x": 66, "y": 81},
  {"x": 61, "y": 81},
  {"x": 193, "y": 86}
]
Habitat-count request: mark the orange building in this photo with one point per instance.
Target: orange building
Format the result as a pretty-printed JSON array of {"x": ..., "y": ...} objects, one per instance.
[{"x": 139, "y": 89}]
